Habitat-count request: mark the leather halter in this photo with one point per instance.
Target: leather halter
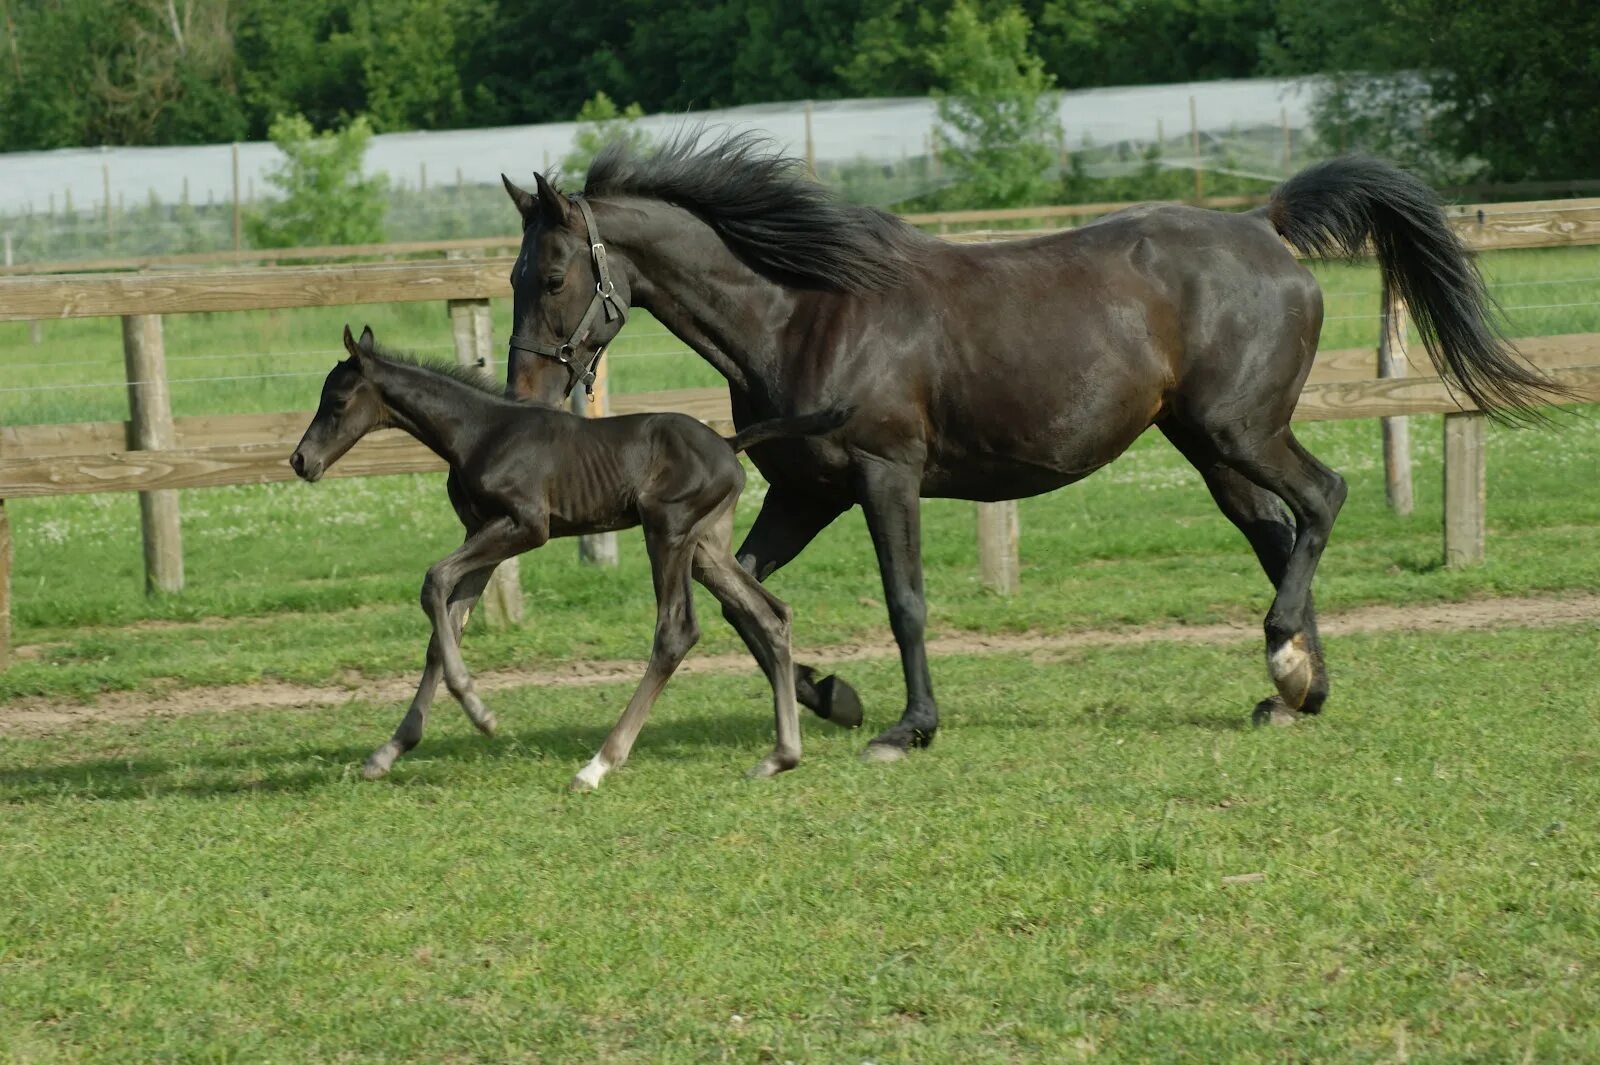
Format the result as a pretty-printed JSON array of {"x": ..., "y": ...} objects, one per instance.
[{"x": 604, "y": 300}]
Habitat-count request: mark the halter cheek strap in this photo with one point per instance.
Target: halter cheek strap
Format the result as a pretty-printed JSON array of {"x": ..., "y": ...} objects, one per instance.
[{"x": 604, "y": 302}]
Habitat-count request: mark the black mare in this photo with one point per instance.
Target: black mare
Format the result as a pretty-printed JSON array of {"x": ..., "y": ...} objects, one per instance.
[
  {"x": 995, "y": 371},
  {"x": 522, "y": 474}
]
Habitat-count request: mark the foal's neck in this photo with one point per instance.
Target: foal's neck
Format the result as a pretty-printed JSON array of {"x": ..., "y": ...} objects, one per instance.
[{"x": 449, "y": 417}]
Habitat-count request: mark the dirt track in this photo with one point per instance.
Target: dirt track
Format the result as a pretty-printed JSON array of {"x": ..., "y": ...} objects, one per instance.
[{"x": 41, "y": 716}]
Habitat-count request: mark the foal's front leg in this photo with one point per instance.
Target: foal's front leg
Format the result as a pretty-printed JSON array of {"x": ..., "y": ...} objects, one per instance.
[
  {"x": 409, "y": 732},
  {"x": 487, "y": 547}
]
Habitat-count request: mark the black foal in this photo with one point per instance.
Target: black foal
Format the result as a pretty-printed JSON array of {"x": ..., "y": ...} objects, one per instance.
[{"x": 523, "y": 474}]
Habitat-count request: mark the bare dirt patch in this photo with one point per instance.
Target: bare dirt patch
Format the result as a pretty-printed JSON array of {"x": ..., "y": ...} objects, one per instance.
[{"x": 40, "y": 717}]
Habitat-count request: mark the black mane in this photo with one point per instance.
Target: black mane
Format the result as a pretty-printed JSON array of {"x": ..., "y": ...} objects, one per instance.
[
  {"x": 768, "y": 211},
  {"x": 455, "y": 371}
]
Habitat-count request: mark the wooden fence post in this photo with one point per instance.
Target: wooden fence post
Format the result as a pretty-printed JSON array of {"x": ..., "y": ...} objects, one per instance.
[
  {"x": 5, "y": 586},
  {"x": 150, "y": 429},
  {"x": 472, "y": 325},
  {"x": 1396, "y": 431},
  {"x": 1465, "y": 468},
  {"x": 599, "y": 549},
  {"x": 998, "y": 565}
]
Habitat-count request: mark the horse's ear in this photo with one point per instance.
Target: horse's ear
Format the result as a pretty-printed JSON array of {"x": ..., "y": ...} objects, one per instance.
[
  {"x": 350, "y": 343},
  {"x": 527, "y": 205},
  {"x": 367, "y": 345},
  {"x": 552, "y": 204}
]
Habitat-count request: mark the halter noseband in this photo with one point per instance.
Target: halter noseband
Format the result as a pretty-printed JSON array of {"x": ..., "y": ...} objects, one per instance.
[{"x": 604, "y": 300}]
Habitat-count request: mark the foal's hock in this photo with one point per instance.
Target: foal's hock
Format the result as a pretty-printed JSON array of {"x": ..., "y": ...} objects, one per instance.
[{"x": 523, "y": 474}]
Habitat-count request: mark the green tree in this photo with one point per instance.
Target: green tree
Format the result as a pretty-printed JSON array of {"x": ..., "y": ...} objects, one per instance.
[
  {"x": 603, "y": 124},
  {"x": 323, "y": 197},
  {"x": 1503, "y": 92},
  {"x": 409, "y": 62},
  {"x": 997, "y": 115}
]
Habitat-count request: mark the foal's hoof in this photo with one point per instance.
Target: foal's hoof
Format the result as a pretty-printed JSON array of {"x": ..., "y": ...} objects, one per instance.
[
  {"x": 580, "y": 785},
  {"x": 771, "y": 766},
  {"x": 380, "y": 761},
  {"x": 840, "y": 703},
  {"x": 1274, "y": 711}
]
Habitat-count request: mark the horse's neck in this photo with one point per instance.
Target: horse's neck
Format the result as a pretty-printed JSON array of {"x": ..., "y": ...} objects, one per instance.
[
  {"x": 446, "y": 416},
  {"x": 695, "y": 286}
]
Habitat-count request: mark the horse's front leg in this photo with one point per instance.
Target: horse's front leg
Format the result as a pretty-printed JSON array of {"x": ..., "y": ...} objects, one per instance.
[
  {"x": 487, "y": 547},
  {"x": 890, "y": 495},
  {"x": 409, "y": 732}
]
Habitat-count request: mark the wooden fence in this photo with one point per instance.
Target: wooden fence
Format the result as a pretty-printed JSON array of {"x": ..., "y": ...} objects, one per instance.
[
  {"x": 1513, "y": 222},
  {"x": 155, "y": 454}
]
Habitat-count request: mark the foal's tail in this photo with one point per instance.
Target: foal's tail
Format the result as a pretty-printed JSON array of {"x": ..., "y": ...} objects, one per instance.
[
  {"x": 783, "y": 428},
  {"x": 1332, "y": 209}
]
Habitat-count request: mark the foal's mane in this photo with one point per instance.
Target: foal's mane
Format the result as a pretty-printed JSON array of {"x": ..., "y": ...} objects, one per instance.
[
  {"x": 768, "y": 211},
  {"x": 455, "y": 371}
]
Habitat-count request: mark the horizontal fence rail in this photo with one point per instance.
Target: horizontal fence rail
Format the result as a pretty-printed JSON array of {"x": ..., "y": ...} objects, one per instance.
[
  {"x": 214, "y": 450},
  {"x": 1510, "y": 224}
]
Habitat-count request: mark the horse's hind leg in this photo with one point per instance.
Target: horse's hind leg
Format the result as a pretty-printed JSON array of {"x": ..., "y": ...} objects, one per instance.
[
  {"x": 409, "y": 732},
  {"x": 764, "y": 624},
  {"x": 670, "y": 559},
  {"x": 1247, "y": 477}
]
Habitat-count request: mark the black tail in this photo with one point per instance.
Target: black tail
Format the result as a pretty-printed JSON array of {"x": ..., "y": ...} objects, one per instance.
[
  {"x": 782, "y": 428},
  {"x": 1332, "y": 209}
]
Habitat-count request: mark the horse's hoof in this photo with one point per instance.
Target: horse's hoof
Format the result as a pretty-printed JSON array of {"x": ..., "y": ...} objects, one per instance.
[
  {"x": 374, "y": 771},
  {"x": 486, "y": 723},
  {"x": 1276, "y": 712},
  {"x": 580, "y": 785},
  {"x": 882, "y": 752},
  {"x": 1291, "y": 668},
  {"x": 840, "y": 703}
]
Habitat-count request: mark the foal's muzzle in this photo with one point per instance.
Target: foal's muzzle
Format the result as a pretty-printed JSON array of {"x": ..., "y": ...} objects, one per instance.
[{"x": 307, "y": 471}]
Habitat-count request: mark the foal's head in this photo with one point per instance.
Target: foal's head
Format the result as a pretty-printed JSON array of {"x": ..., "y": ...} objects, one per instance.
[
  {"x": 554, "y": 282},
  {"x": 351, "y": 407}
]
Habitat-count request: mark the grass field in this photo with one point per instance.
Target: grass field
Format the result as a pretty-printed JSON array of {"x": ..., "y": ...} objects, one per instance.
[{"x": 1051, "y": 882}]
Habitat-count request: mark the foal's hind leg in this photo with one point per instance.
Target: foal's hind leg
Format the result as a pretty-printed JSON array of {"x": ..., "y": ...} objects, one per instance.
[
  {"x": 409, "y": 732},
  {"x": 1314, "y": 494},
  {"x": 764, "y": 624},
  {"x": 676, "y": 632},
  {"x": 786, "y": 524},
  {"x": 484, "y": 549}
]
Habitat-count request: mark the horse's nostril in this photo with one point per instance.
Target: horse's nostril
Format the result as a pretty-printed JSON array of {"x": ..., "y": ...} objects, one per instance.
[{"x": 297, "y": 462}]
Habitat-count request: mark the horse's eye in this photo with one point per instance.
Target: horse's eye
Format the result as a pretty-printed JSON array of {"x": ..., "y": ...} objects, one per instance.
[{"x": 553, "y": 284}]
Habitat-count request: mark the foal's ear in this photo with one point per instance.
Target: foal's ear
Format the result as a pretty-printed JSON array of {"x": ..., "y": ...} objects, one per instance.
[
  {"x": 361, "y": 349},
  {"x": 527, "y": 205},
  {"x": 552, "y": 204}
]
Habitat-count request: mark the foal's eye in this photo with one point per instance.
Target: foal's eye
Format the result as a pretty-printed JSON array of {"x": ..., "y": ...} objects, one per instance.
[{"x": 553, "y": 284}]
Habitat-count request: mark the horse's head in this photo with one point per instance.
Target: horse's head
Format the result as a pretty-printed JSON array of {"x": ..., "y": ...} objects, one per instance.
[
  {"x": 351, "y": 407},
  {"x": 567, "y": 305}
]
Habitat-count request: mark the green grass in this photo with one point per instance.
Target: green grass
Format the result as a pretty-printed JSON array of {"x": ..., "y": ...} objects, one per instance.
[{"x": 1045, "y": 884}]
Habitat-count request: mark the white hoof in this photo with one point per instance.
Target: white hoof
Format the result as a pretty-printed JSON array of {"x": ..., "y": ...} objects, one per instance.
[
  {"x": 589, "y": 776},
  {"x": 1290, "y": 666}
]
